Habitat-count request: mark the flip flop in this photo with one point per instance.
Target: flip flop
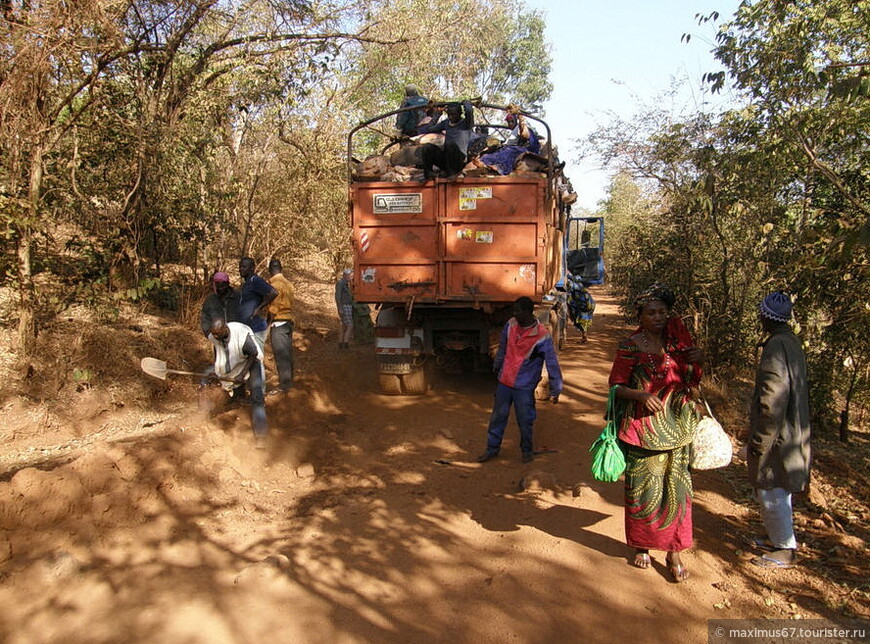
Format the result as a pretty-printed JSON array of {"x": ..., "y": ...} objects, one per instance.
[
  {"x": 766, "y": 561},
  {"x": 678, "y": 571}
]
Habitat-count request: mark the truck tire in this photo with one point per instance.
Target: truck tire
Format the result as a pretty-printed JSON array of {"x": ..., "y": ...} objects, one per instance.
[
  {"x": 415, "y": 383},
  {"x": 390, "y": 384}
]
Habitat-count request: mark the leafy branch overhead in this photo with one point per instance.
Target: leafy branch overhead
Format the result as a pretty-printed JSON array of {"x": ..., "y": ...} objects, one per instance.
[{"x": 773, "y": 193}]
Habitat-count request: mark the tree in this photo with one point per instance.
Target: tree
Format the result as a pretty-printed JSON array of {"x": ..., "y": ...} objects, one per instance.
[
  {"x": 804, "y": 67},
  {"x": 489, "y": 48}
]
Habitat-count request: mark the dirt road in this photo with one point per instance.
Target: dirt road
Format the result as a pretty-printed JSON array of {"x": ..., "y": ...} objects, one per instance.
[{"x": 367, "y": 520}]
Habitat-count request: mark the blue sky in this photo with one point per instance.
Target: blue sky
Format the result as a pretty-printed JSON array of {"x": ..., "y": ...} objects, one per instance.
[{"x": 615, "y": 57}]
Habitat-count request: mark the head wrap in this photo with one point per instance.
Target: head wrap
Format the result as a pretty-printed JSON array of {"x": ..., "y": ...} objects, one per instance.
[
  {"x": 220, "y": 276},
  {"x": 347, "y": 271},
  {"x": 776, "y": 307},
  {"x": 657, "y": 291},
  {"x": 411, "y": 90}
]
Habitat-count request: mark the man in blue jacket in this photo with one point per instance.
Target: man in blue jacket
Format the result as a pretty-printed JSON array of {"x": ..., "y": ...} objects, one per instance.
[
  {"x": 406, "y": 122},
  {"x": 255, "y": 295},
  {"x": 523, "y": 349}
]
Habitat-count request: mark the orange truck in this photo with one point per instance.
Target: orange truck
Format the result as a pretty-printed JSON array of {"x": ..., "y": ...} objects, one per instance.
[{"x": 443, "y": 261}]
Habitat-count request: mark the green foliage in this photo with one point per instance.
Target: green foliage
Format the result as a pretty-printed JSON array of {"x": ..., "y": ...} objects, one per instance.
[
  {"x": 139, "y": 135},
  {"x": 772, "y": 195},
  {"x": 489, "y": 48},
  {"x": 82, "y": 378}
]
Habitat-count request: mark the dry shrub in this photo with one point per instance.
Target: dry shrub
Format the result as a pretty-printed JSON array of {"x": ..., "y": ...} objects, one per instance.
[{"x": 77, "y": 354}]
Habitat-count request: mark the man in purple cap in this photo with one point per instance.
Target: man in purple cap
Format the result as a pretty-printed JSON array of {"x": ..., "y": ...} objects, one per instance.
[
  {"x": 221, "y": 304},
  {"x": 778, "y": 445}
]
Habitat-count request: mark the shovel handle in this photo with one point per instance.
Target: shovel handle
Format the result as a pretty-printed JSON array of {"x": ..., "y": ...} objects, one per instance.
[
  {"x": 201, "y": 375},
  {"x": 186, "y": 373}
]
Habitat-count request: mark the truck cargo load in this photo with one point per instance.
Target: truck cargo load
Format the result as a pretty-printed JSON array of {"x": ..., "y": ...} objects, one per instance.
[{"x": 444, "y": 260}]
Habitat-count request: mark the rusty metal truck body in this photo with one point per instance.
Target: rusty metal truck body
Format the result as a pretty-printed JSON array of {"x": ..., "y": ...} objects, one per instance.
[{"x": 443, "y": 262}]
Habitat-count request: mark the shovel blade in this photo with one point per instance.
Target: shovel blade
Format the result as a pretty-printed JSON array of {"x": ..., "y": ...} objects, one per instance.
[{"x": 154, "y": 367}]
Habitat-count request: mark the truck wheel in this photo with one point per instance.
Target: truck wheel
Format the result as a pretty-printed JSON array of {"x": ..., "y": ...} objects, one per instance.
[
  {"x": 415, "y": 383},
  {"x": 390, "y": 384}
]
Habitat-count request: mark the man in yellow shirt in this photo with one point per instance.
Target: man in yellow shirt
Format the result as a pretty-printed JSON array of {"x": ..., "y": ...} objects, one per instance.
[{"x": 281, "y": 315}]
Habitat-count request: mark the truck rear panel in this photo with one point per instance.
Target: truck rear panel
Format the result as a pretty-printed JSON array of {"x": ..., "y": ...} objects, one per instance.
[{"x": 471, "y": 241}]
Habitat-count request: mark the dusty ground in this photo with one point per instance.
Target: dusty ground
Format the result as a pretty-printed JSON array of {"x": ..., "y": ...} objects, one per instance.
[{"x": 134, "y": 513}]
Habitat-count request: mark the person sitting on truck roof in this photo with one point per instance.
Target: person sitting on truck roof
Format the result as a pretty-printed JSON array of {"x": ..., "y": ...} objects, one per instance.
[
  {"x": 406, "y": 122},
  {"x": 523, "y": 138},
  {"x": 431, "y": 115},
  {"x": 457, "y": 129},
  {"x": 524, "y": 347}
]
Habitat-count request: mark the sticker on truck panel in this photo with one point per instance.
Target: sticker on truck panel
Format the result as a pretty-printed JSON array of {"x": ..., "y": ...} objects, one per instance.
[
  {"x": 527, "y": 273},
  {"x": 475, "y": 193},
  {"x": 396, "y": 204},
  {"x": 368, "y": 276},
  {"x": 468, "y": 197},
  {"x": 465, "y": 234},
  {"x": 483, "y": 236}
]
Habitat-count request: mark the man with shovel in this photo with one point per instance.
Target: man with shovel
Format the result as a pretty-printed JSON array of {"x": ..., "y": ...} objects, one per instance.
[{"x": 238, "y": 357}]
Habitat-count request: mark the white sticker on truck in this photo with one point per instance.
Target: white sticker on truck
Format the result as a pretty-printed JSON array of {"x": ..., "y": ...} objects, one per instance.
[
  {"x": 475, "y": 193},
  {"x": 468, "y": 197},
  {"x": 404, "y": 203},
  {"x": 527, "y": 273}
]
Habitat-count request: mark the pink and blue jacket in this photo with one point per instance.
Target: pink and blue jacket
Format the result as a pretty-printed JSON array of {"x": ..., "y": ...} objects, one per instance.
[{"x": 521, "y": 355}]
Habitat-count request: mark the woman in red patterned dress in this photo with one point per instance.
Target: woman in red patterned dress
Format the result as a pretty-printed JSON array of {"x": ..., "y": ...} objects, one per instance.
[{"x": 654, "y": 370}]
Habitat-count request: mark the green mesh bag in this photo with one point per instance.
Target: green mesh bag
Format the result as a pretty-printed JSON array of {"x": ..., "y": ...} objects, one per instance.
[{"x": 608, "y": 461}]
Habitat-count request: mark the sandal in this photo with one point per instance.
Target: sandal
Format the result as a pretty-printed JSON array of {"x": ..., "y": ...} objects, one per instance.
[
  {"x": 769, "y": 561},
  {"x": 761, "y": 543},
  {"x": 642, "y": 560},
  {"x": 678, "y": 571}
]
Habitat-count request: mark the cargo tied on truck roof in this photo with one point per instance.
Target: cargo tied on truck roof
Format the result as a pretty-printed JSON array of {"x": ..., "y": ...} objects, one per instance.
[{"x": 443, "y": 258}]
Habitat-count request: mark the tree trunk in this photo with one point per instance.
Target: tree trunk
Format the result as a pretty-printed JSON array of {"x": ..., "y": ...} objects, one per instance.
[
  {"x": 844, "y": 425},
  {"x": 26, "y": 291},
  {"x": 26, "y": 295},
  {"x": 844, "y": 414}
]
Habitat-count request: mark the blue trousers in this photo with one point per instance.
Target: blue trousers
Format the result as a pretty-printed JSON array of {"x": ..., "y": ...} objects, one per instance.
[
  {"x": 523, "y": 401},
  {"x": 256, "y": 387}
]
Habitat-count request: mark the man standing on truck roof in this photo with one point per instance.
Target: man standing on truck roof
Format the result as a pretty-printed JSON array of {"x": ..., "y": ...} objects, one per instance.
[
  {"x": 525, "y": 345},
  {"x": 406, "y": 122},
  {"x": 457, "y": 129}
]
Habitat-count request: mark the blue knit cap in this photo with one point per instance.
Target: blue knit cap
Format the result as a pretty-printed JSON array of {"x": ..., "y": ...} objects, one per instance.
[{"x": 776, "y": 307}]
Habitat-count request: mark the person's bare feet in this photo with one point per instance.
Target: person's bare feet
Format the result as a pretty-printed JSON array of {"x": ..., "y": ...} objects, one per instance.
[
  {"x": 678, "y": 570},
  {"x": 641, "y": 559}
]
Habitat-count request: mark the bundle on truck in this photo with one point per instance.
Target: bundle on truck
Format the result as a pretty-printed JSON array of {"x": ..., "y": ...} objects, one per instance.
[{"x": 444, "y": 259}]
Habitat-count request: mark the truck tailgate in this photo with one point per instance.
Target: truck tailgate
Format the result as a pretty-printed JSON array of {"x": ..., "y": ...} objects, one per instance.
[{"x": 487, "y": 239}]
